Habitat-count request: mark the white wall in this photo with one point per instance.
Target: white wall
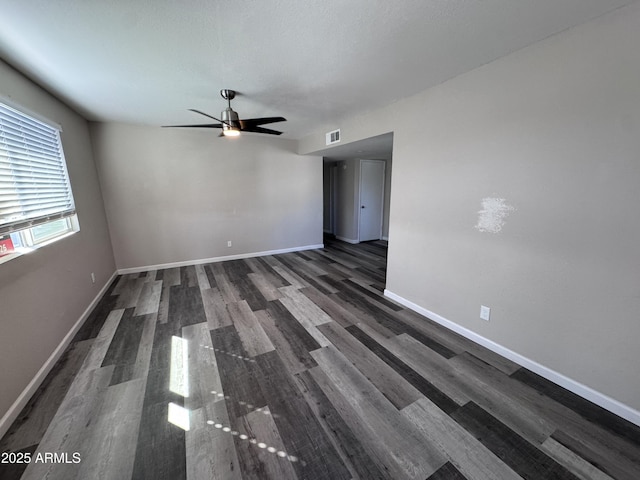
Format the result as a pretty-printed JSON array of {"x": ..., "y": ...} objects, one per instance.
[
  {"x": 43, "y": 294},
  {"x": 179, "y": 195},
  {"x": 554, "y": 129}
]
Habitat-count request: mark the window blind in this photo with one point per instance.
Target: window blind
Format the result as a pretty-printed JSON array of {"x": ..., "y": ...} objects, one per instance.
[{"x": 34, "y": 185}]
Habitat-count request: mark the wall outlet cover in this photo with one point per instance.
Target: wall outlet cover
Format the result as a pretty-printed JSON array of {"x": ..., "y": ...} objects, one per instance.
[{"x": 485, "y": 313}]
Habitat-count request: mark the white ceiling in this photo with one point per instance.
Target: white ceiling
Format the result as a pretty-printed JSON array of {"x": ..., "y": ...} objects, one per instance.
[{"x": 313, "y": 62}]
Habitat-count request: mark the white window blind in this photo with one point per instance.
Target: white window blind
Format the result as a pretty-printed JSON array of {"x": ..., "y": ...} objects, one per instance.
[{"x": 34, "y": 185}]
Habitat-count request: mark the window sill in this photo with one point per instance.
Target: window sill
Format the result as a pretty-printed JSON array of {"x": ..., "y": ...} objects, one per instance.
[{"x": 20, "y": 251}]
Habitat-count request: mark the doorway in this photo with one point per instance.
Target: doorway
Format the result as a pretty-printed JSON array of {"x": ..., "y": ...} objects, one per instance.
[{"x": 342, "y": 186}]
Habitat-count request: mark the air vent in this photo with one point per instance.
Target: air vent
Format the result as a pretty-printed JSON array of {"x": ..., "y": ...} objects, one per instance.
[{"x": 333, "y": 137}]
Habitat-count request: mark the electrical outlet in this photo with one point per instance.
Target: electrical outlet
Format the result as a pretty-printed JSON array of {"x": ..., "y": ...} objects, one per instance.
[
  {"x": 485, "y": 313},
  {"x": 93, "y": 277},
  {"x": 229, "y": 243}
]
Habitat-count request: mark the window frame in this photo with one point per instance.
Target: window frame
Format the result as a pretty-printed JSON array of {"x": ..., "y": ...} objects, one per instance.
[{"x": 23, "y": 232}]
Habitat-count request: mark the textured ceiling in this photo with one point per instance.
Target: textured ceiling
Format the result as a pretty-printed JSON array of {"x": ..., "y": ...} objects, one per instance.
[{"x": 313, "y": 62}]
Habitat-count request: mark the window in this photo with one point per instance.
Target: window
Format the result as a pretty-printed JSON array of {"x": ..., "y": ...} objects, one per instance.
[{"x": 36, "y": 202}]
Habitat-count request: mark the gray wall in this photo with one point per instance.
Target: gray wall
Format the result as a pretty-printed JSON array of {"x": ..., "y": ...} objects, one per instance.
[
  {"x": 348, "y": 174},
  {"x": 180, "y": 195},
  {"x": 388, "y": 172},
  {"x": 554, "y": 130},
  {"x": 43, "y": 294},
  {"x": 327, "y": 192}
]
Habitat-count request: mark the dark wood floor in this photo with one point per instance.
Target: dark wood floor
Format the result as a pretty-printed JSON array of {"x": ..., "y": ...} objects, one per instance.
[{"x": 296, "y": 366}]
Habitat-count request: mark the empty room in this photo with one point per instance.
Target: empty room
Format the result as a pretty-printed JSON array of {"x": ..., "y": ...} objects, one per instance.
[{"x": 319, "y": 240}]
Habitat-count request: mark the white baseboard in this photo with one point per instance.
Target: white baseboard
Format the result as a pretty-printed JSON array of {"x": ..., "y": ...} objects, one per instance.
[
  {"x": 606, "y": 402},
  {"x": 348, "y": 240},
  {"x": 146, "y": 268},
  {"x": 385, "y": 238},
  {"x": 33, "y": 385}
]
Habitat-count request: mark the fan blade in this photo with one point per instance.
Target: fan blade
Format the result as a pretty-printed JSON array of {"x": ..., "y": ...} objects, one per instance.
[
  {"x": 205, "y": 125},
  {"x": 207, "y": 115},
  {"x": 262, "y": 130},
  {"x": 261, "y": 121}
]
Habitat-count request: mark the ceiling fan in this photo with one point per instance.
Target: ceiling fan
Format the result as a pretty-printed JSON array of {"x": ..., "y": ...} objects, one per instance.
[{"x": 231, "y": 124}]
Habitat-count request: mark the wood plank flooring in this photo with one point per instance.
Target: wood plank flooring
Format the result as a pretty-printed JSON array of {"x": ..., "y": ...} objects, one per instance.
[{"x": 296, "y": 366}]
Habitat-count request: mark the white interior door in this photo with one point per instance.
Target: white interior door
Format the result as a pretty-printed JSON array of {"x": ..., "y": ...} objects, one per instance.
[{"x": 371, "y": 199}]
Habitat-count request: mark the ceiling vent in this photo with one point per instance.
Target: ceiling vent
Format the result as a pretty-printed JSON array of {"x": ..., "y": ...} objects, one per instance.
[{"x": 333, "y": 137}]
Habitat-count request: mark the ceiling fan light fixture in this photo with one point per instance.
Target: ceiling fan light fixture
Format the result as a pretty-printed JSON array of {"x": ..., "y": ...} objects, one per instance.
[
  {"x": 230, "y": 125},
  {"x": 229, "y": 131}
]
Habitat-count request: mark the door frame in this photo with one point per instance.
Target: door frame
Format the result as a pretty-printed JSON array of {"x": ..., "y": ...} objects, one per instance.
[{"x": 382, "y": 184}]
